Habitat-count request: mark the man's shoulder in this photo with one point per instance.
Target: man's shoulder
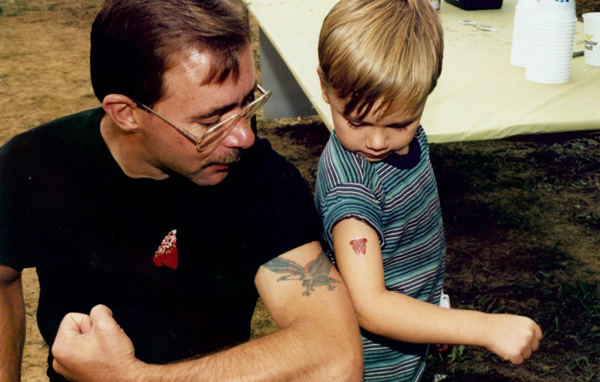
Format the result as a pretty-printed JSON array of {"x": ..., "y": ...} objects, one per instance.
[
  {"x": 277, "y": 204},
  {"x": 262, "y": 162},
  {"x": 57, "y": 144},
  {"x": 262, "y": 151},
  {"x": 53, "y": 132}
]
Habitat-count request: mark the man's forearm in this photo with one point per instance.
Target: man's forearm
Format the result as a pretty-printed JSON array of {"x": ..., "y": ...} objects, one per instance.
[
  {"x": 12, "y": 329},
  {"x": 319, "y": 338},
  {"x": 94, "y": 349},
  {"x": 287, "y": 355}
]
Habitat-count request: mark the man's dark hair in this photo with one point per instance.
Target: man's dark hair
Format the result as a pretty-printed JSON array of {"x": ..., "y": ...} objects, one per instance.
[{"x": 132, "y": 42}]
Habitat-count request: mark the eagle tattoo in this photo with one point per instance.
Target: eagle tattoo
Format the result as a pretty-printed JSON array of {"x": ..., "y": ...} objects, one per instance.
[{"x": 313, "y": 274}]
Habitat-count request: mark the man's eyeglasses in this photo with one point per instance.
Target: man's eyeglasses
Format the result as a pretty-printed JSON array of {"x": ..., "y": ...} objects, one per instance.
[{"x": 218, "y": 132}]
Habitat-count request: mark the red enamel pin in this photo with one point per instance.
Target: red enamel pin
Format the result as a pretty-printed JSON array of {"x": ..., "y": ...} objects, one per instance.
[{"x": 166, "y": 254}]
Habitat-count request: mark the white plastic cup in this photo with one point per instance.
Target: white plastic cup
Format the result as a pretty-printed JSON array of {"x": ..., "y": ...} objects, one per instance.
[
  {"x": 541, "y": 44},
  {"x": 521, "y": 32},
  {"x": 548, "y": 77},
  {"x": 436, "y": 4},
  {"x": 556, "y": 68},
  {"x": 550, "y": 48},
  {"x": 591, "y": 27},
  {"x": 555, "y": 10}
]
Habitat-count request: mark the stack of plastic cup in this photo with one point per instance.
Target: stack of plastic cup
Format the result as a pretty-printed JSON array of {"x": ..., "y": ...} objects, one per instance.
[
  {"x": 550, "y": 50},
  {"x": 521, "y": 31}
]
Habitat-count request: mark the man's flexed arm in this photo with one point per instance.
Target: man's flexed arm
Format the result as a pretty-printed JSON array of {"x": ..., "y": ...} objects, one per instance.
[
  {"x": 319, "y": 338},
  {"x": 12, "y": 324}
]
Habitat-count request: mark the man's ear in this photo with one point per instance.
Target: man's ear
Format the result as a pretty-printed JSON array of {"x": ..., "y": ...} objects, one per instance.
[
  {"x": 122, "y": 110},
  {"x": 324, "y": 87}
]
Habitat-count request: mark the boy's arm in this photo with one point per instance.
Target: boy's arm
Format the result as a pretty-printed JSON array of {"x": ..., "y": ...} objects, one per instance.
[
  {"x": 12, "y": 324},
  {"x": 319, "y": 338},
  {"x": 403, "y": 318}
]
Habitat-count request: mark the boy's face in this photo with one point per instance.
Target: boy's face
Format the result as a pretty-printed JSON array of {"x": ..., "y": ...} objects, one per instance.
[{"x": 372, "y": 137}]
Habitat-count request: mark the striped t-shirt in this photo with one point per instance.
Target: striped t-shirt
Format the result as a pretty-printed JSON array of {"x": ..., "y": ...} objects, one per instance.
[{"x": 398, "y": 198}]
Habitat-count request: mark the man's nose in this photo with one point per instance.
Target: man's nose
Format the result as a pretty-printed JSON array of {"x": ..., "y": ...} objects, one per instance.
[{"x": 241, "y": 136}]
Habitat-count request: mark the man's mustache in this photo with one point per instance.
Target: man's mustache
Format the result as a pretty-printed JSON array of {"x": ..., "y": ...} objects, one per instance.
[{"x": 227, "y": 159}]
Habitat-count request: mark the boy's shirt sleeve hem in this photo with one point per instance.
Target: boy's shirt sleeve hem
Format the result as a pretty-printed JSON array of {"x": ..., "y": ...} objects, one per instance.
[
  {"x": 346, "y": 188},
  {"x": 351, "y": 201}
]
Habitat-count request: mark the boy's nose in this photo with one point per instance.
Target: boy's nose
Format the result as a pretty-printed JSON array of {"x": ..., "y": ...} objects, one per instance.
[{"x": 377, "y": 142}]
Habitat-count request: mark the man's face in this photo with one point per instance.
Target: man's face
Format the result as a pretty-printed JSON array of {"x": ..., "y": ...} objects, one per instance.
[{"x": 194, "y": 104}]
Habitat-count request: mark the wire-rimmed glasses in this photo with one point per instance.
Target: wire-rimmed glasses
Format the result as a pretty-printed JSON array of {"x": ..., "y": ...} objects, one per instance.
[{"x": 218, "y": 132}]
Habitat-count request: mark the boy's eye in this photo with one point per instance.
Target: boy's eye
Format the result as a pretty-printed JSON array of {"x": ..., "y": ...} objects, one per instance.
[{"x": 354, "y": 124}]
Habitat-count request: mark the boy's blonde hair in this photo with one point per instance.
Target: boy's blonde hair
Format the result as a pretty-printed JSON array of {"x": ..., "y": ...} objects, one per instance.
[{"x": 386, "y": 53}]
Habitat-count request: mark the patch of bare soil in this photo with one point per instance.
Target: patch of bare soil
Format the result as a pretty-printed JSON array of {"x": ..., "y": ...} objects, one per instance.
[
  {"x": 523, "y": 236},
  {"x": 44, "y": 47},
  {"x": 522, "y": 218}
]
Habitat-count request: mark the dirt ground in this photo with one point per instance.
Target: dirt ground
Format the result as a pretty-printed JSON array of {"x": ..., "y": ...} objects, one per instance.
[{"x": 522, "y": 218}]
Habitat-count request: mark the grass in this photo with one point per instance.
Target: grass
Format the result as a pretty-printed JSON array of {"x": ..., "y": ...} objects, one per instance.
[
  {"x": 567, "y": 308},
  {"x": 15, "y": 8},
  {"x": 517, "y": 215},
  {"x": 523, "y": 237}
]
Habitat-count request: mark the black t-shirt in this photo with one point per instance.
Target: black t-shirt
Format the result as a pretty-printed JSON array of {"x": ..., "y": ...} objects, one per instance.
[{"x": 92, "y": 232}]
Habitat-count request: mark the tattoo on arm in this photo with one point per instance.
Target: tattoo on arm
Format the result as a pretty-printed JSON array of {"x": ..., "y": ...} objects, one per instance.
[
  {"x": 313, "y": 274},
  {"x": 359, "y": 245}
]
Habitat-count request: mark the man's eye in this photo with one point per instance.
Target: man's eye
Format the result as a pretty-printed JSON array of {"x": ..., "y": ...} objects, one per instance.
[
  {"x": 200, "y": 128},
  {"x": 209, "y": 123},
  {"x": 248, "y": 101}
]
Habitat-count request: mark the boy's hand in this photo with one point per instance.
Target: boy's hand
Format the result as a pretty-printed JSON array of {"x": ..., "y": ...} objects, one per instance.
[{"x": 513, "y": 338}]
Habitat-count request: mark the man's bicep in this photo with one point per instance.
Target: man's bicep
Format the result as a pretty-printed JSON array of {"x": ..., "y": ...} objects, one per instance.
[
  {"x": 300, "y": 283},
  {"x": 11, "y": 294},
  {"x": 8, "y": 276}
]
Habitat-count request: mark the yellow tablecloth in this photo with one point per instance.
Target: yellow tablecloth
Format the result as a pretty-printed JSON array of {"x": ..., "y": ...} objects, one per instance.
[{"x": 480, "y": 95}]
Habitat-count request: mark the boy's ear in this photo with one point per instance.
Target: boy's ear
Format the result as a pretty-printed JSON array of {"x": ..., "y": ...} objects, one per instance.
[
  {"x": 324, "y": 88},
  {"x": 121, "y": 110}
]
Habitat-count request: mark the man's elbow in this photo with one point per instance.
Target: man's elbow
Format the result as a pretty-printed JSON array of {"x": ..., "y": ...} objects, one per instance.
[
  {"x": 354, "y": 366},
  {"x": 349, "y": 363}
]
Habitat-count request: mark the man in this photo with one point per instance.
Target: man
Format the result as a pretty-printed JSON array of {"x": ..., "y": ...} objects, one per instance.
[{"x": 162, "y": 215}]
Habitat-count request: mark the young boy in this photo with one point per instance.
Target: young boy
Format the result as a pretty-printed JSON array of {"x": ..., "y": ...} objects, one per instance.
[{"x": 376, "y": 192}]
